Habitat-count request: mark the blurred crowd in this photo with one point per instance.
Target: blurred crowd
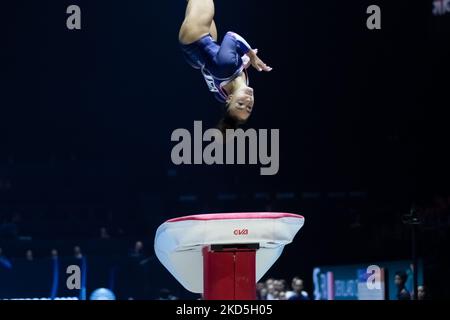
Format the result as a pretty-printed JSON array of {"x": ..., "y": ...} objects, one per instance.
[
  {"x": 279, "y": 289},
  {"x": 136, "y": 252}
]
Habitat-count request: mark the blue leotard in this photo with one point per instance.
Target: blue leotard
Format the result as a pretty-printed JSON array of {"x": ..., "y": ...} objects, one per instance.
[{"x": 219, "y": 64}]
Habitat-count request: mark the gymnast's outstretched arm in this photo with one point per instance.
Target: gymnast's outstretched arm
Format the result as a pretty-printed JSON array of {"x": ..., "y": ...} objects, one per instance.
[{"x": 243, "y": 47}]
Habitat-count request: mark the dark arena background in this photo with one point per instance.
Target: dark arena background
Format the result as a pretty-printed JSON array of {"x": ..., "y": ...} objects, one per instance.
[{"x": 86, "y": 118}]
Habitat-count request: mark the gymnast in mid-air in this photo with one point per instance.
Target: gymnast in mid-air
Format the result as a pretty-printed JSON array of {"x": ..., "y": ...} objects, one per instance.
[{"x": 223, "y": 66}]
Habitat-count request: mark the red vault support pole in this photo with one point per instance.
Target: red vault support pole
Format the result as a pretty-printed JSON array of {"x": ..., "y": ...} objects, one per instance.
[{"x": 229, "y": 273}]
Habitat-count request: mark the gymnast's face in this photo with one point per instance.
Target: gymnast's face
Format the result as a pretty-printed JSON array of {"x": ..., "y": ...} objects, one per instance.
[{"x": 240, "y": 104}]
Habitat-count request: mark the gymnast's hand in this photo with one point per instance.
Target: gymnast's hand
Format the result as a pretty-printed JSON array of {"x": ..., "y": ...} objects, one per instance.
[{"x": 256, "y": 62}]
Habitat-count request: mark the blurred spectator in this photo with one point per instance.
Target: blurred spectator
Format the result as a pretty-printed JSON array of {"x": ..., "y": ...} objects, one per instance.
[
  {"x": 138, "y": 250},
  {"x": 299, "y": 293},
  {"x": 400, "y": 281},
  {"x": 260, "y": 285},
  {"x": 291, "y": 292},
  {"x": 263, "y": 294},
  {"x": 77, "y": 252},
  {"x": 54, "y": 253},
  {"x": 275, "y": 289},
  {"x": 275, "y": 295},
  {"x": 280, "y": 285},
  {"x": 270, "y": 288},
  {"x": 29, "y": 255},
  {"x": 104, "y": 234},
  {"x": 422, "y": 293},
  {"x": 4, "y": 261},
  {"x": 261, "y": 291},
  {"x": 270, "y": 292}
]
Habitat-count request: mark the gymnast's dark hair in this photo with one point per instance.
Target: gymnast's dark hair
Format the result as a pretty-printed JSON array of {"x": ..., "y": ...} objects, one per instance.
[{"x": 227, "y": 122}]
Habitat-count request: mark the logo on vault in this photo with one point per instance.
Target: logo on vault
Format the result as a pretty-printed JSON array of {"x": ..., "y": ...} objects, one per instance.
[{"x": 241, "y": 232}]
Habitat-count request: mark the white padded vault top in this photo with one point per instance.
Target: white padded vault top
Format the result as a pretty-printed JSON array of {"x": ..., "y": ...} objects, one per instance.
[{"x": 179, "y": 242}]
